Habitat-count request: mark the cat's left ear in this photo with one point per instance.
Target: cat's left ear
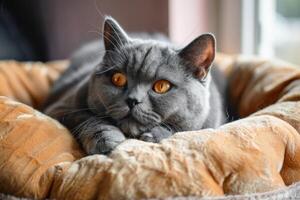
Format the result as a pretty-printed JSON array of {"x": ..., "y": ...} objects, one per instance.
[
  {"x": 113, "y": 34},
  {"x": 199, "y": 54}
]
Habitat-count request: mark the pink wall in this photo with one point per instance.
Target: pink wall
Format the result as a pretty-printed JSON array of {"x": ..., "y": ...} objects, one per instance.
[
  {"x": 70, "y": 23},
  {"x": 188, "y": 19}
]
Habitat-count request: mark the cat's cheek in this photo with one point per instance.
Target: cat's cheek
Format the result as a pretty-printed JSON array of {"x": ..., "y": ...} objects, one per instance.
[
  {"x": 156, "y": 100},
  {"x": 166, "y": 104}
]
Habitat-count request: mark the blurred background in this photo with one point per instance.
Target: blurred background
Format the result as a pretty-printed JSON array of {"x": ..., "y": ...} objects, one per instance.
[{"x": 53, "y": 29}]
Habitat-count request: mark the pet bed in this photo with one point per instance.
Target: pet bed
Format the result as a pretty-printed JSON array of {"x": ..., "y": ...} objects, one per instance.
[{"x": 257, "y": 156}]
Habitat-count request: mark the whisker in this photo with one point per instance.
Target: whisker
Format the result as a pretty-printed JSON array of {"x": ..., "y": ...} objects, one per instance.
[
  {"x": 78, "y": 128},
  {"x": 105, "y": 70},
  {"x": 98, "y": 10},
  {"x": 103, "y": 16},
  {"x": 173, "y": 126},
  {"x": 75, "y": 131},
  {"x": 105, "y": 106},
  {"x": 120, "y": 61},
  {"x": 66, "y": 112}
]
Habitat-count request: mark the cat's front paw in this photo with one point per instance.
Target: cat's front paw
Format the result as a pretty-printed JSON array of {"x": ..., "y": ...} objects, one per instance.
[
  {"x": 148, "y": 137},
  {"x": 105, "y": 146},
  {"x": 103, "y": 141},
  {"x": 156, "y": 134}
]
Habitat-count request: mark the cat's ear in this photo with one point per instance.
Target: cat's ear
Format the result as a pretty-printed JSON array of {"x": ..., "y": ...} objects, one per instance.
[
  {"x": 113, "y": 34},
  {"x": 199, "y": 54}
]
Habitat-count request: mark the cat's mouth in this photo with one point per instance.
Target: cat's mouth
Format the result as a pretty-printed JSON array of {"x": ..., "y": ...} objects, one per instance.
[
  {"x": 130, "y": 116},
  {"x": 133, "y": 126},
  {"x": 133, "y": 122}
]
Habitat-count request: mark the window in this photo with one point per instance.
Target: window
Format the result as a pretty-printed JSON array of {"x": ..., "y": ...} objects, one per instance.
[{"x": 279, "y": 29}]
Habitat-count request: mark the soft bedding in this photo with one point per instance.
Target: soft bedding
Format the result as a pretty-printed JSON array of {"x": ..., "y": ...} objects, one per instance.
[{"x": 257, "y": 154}]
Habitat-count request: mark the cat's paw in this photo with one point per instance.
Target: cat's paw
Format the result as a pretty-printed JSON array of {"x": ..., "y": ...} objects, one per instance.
[
  {"x": 106, "y": 146},
  {"x": 155, "y": 135},
  {"x": 104, "y": 141},
  {"x": 148, "y": 137}
]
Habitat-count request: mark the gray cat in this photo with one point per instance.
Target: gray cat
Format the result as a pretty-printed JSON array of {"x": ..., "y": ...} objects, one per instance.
[{"x": 134, "y": 88}]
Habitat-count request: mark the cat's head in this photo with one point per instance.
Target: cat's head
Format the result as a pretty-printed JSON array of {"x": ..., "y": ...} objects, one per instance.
[{"x": 144, "y": 83}]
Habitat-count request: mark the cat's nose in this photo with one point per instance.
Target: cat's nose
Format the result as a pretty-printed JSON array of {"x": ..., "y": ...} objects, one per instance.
[{"x": 131, "y": 102}]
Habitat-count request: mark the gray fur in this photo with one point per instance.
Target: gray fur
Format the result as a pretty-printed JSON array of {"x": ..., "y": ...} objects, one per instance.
[{"x": 85, "y": 100}]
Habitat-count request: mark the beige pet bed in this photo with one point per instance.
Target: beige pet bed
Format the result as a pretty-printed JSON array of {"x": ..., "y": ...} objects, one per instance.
[{"x": 261, "y": 152}]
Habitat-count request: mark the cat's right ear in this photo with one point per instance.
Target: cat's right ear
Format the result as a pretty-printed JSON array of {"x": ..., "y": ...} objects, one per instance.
[
  {"x": 200, "y": 54},
  {"x": 113, "y": 35}
]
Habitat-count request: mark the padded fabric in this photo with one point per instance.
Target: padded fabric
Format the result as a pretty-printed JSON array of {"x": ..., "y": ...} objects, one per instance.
[
  {"x": 259, "y": 153},
  {"x": 28, "y": 82}
]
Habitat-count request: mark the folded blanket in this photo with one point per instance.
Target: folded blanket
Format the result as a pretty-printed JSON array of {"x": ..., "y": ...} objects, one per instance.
[{"x": 259, "y": 153}]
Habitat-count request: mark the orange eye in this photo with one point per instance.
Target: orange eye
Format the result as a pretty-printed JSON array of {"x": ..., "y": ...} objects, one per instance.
[
  {"x": 119, "y": 79},
  {"x": 161, "y": 86}
]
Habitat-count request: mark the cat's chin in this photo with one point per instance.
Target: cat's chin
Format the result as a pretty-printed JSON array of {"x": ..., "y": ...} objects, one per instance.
[{"x": 131, "y": 128}]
